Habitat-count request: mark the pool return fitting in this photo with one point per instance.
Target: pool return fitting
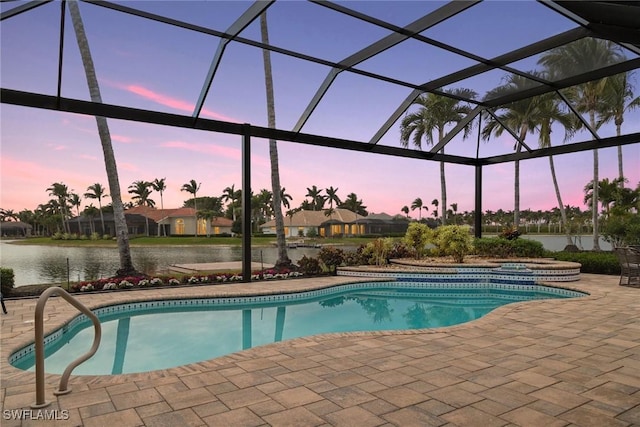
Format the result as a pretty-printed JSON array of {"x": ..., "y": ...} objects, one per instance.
[{"x": 39, "y": 345}]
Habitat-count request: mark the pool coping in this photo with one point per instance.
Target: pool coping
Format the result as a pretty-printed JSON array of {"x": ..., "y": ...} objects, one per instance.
[{"x": 17, "y": 385}]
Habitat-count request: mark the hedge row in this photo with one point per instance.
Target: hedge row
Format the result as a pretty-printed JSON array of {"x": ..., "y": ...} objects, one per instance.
[
  {"x": 503, "y": 248},
  {"x": 592, "y": 262}
]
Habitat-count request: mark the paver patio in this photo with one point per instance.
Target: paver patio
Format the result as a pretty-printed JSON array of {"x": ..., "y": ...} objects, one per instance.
[{"x": 542, "y": 363}]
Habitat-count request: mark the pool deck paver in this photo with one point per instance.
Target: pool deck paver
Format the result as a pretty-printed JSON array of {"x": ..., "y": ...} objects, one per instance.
[{"x": 541, "y": 363}]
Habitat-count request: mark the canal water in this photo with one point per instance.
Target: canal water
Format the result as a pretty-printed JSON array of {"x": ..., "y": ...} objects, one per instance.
[{"x": 35, "y": 264}]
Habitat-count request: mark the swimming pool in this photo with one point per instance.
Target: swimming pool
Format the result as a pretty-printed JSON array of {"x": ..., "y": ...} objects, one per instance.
[{"x": 151, "y": 335}]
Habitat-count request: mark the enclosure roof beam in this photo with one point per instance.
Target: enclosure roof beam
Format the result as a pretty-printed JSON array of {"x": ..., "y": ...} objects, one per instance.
[
  {"x": 456, "y": 130},
  {"x": 485, "y": 65},
  {"x": 614, "y": 141},
  {"x": 508, "y": 129},
  {"x": 620, "y": 67},
  {"x": 22, "y": 8},
  {"x": 234, "y": 29},
  {"x": 578, "y": 115},
  {"x": 379, "y": 46},
  {"x": 48, "y": 102}
]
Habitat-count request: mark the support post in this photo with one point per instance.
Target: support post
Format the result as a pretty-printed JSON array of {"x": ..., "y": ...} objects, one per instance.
[
  {"x": 246, "y": 203},
  {"x": 478, "y": 207}
]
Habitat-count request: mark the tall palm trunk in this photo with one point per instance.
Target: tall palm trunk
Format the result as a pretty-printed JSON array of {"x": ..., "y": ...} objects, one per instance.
[
  {"x": 101, "y": 217},
  {"x": 516, "y": 183},
  {"x": 161, "y": 226},
  {"x": 563, "y": 212},
  {"x": 126, "y": 264},
  {"x": 594, "y": 198},
  {"x": 620, "y": 168},
  {"x": 443, "y": 179},
  {"x": 283, "y": 258}
]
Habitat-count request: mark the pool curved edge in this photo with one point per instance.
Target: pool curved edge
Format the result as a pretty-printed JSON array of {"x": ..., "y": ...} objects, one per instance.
[{"x": 63, "y": 314}]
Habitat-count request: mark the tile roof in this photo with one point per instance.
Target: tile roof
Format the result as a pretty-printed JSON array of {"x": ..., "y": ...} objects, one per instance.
[{"x": 306, "y": 218}]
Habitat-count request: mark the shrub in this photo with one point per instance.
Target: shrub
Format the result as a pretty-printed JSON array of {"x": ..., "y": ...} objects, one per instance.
[
  {"x": 312, "y": 233},
  {"x": 622, "y": 229},
  {"x": 592, "y": 262},
  {"x": 94, "y": 236},
  {"x": 417, "y": 237},
  {"x": 357, "y": 257},
  {"x": 527, "y": 248},
  {"x": 309, "y": 265},
  {"x": 510, "y": 233},
  {"x": 331, "y": 257},
  {"x": 107, "y": 237},
  {"x": 493, "y": 247},
  {"x": 7, "y": 280},
  {"x": 399, "y": 250},
  {"x": 503, "y": 248},
  {"x": 454, "y": 240},
  {"x": 379, "y": 250}
]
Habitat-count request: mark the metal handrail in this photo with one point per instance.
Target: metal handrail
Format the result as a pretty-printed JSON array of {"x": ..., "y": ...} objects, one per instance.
[{"x": 39, "y": 344}]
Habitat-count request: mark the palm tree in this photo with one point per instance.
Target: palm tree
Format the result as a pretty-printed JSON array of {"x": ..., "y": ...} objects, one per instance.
[
  {"x": 521, "y": 116},
  {"x": 207, "y": 215},
  {"x": 617, "y": 92},
  {"x": 265, "y": 200},
  {"x": 454, "y": 211},
  {"x": 283, "y": 258},
  {"x": 549, "y": 111},
  {"x": 160, "y": 186},
  {"x": 8, "y": 214},
  {"x": 90, "y": 212},
  {"x": 332, "y": 196},
  {"x": 192, "y": 187},
  {"x": 75, "y": 201},
  {"x": 141, "y": 191},
  {"x": 608, "y": 192},
  {"x": 61, "y": 192},
  {"x": 126, "y": 264},
  {"x": 285, "y": 198},
  {"x": 436, "y": 112},
  {"x": 417, "y": 204},
  {"x": 317, "y": 199},
  {"x": 575, "y": 58},
  {"x": 405, "y": 209},
  {"x": 352, "y": 203},
  {"x": 435, "y": 204},
  {"x": 97, "y": 191},
  {"x": 229, "y": 194}
]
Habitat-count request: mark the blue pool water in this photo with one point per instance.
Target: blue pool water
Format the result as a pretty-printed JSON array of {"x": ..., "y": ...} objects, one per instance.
[{"x": 152, "y": 335}]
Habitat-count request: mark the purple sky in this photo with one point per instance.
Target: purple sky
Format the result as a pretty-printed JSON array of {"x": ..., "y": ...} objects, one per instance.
[{"x": 148, "y": 65}]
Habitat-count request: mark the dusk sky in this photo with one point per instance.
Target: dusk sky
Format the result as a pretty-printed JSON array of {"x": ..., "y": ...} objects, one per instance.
[{"x": 144, "y": 64}]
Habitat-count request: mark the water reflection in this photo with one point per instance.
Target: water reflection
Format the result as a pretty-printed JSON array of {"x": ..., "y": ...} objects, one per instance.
[
  {"x": 33, "y": 264},
  {"x": 416, "y": 316}
]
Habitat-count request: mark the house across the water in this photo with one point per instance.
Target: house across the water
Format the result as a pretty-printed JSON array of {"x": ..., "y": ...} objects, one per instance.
[
  {"x": 176, "y": 222},
  {"x": 341, "y": 222}
]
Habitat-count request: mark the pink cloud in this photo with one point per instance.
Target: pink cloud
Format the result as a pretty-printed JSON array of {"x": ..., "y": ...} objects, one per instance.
[
  {"x": 88, "y": 157},
  {"x": 121, "y": 138},
  {"x": 216, "y": 150},
  {"x": 178, "y": 104},
  {"x": 127, "y": 167}
]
